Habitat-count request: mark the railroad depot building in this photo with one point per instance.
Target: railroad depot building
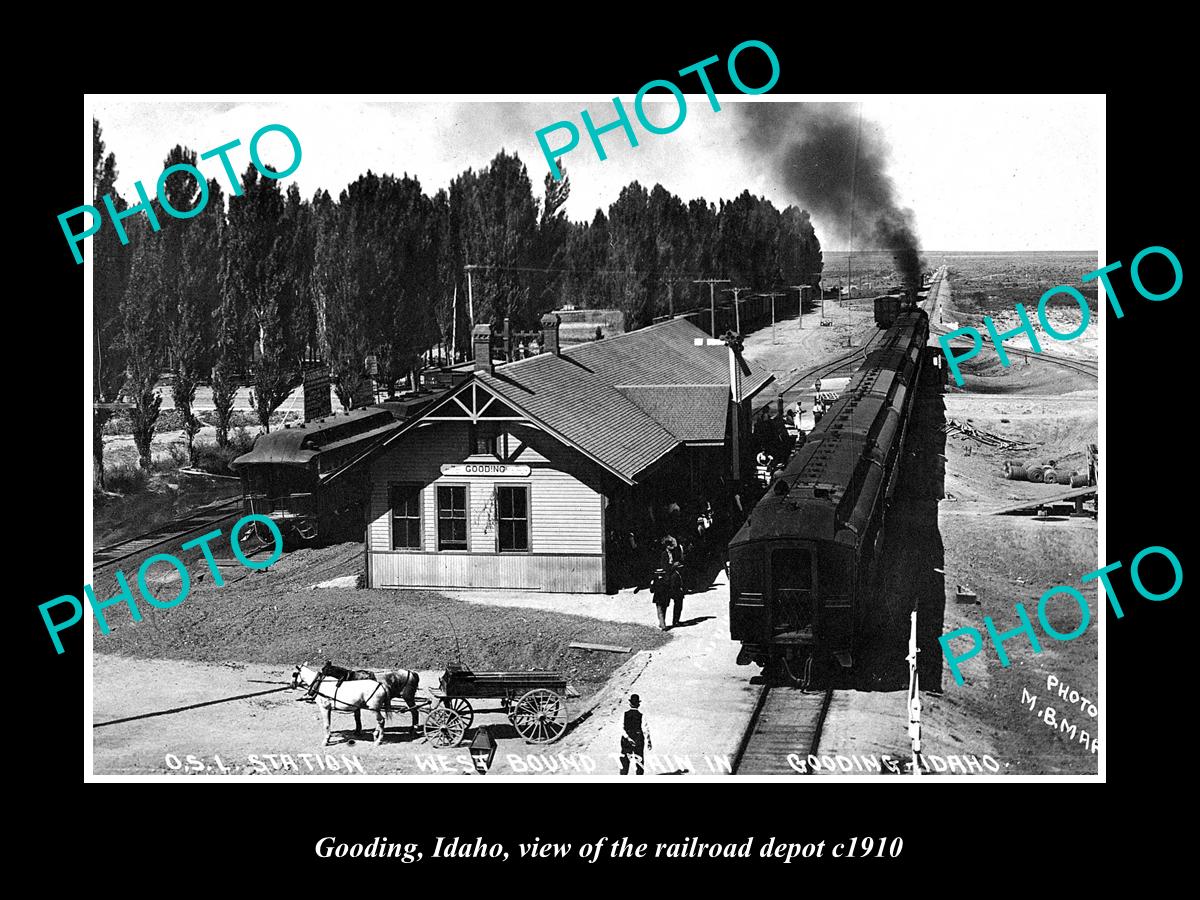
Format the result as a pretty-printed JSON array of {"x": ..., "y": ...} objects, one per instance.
[{"x": 529, "y": 474}]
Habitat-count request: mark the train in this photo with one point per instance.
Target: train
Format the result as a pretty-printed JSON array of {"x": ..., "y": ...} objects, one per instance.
[
  {"x": 307, "y": 478},
  {"x": 753, "y": 312},
  {"x": 804, "y": 567}
]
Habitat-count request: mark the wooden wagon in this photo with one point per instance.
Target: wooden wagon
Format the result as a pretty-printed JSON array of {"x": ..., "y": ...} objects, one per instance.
[{"x": 535, "y": 702}]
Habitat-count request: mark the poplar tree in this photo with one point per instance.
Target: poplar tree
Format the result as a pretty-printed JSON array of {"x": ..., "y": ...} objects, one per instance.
[
  {"x": 110, "y": 272},
  {"x": 143, "y": 333},
  {"x": 198, "y": 297},
  {"x": 257, "y": 256}
]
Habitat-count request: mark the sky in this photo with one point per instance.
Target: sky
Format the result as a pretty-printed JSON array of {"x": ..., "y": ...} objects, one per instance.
[{"x": 979, "y": 172}]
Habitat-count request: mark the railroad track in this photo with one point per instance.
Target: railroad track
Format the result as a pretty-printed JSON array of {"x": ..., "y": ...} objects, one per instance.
[
  {"x": 199, "y": 521},
  {"x": 786, "y": 721},
  {"x": 1083, "y": 367},
  {"x": 829, "y": 366}
]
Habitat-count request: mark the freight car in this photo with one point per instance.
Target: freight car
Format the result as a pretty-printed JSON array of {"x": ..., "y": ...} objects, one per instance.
[
  {"x": 753, "y": 312},
  {"x": 804, "y": 567}
]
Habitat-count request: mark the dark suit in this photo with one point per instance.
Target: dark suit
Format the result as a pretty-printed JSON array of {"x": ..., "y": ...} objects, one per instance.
[{"x": 633, "y": 742}]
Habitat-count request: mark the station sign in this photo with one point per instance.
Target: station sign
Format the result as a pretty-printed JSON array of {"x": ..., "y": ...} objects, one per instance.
[{"x": 495, "y": 470}]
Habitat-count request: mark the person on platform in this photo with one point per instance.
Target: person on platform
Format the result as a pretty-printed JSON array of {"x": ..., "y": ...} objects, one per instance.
[
  {"x": 660, "y": 587},
  {"x": 635, "y": 738},
  {"x": 677, "y": 584}
]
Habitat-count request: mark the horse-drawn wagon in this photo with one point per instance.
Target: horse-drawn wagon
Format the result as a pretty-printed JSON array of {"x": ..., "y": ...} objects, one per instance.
[{"x": 535, "y": 703}]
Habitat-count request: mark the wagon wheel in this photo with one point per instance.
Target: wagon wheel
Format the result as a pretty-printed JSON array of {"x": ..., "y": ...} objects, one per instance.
[
  {"x": 462, "y": 706},
  {"x": 540, "y": 716},
  {"x": 444, "y": 727}
]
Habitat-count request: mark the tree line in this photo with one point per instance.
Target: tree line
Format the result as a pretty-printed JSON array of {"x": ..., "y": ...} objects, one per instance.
[{"x": 243, "y": 293}]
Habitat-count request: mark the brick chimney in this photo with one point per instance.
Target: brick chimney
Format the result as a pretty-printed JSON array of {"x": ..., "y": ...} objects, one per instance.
[
  {"x": 481, "y": 344},
  {"x": 550, "y": 334}
]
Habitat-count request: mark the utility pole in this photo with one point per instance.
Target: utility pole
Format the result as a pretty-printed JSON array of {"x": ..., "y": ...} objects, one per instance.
[
  {"x": 737, "y": 310},
  {"x": 773, "y": 296},
  {"x": 712, "y": 303},
  {"x": 800, "y": 305},
  {"x": 454, "y": 328},
  {"x": 470, "y": 298}
]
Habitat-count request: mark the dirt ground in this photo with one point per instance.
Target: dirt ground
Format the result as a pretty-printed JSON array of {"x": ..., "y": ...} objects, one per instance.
[
  {"x": 795, "y": 345},
  {"x": 269, "y": 735},
  {"x": 1010, "y": 559},
  {"x": 277, "y": 616}
]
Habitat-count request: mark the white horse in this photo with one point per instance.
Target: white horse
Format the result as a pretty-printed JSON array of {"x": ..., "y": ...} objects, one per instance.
[{"x": 349, "y": 696}]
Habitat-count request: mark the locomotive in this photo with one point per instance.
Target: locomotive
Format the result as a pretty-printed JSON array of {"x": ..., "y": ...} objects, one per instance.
[{"x": 805, "y": 565}]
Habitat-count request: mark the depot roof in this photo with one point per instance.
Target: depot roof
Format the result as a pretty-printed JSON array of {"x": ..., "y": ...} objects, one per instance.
[{"x": 626, "y": 401}]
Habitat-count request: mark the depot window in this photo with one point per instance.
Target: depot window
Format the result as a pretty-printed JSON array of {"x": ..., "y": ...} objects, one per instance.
[
  {"x": 512, "y": 517},
  {"x": 406, "y": 517},
  {"x": 452, "y": 517}
]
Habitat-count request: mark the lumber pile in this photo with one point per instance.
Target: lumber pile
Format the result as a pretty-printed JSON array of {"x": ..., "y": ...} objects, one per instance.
[{"x": 967, "y": 431}]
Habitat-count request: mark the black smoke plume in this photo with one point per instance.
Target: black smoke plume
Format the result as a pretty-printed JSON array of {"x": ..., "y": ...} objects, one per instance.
[{"x": 833, "y": 167}]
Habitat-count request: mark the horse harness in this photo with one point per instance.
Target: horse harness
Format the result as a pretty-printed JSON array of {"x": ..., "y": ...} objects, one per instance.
[{"x": 333, "y": 699}]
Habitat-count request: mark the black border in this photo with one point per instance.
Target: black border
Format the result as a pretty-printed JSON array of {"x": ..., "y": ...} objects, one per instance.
[{"x": 1146, "y": 461}]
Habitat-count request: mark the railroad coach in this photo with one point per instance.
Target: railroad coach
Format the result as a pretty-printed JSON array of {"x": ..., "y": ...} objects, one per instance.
[{"x": 804, "y": 567}]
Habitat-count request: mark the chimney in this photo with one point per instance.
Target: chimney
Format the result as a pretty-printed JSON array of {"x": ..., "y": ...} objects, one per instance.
[
  {"x": 550, "y": 334},
  {"x": 508, "y": 340},
  {"x": 481, "y": 343}
]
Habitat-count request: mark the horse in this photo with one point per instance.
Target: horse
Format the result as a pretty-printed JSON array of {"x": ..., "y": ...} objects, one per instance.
[
  {"x": 352, "y": 695},
  {"x": 403, "y": 685}
]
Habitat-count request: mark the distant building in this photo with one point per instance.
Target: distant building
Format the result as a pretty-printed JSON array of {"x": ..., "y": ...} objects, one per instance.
[
  {"x": 578, "y": 326},
  {"x": 531, "y": 474}
]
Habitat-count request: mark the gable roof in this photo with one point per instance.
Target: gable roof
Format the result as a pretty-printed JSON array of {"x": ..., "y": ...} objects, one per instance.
[
  {"x": 695, "y": 414},
  {"x": 585, "y": 410},
  {"x": 626, "y": 402},
  {"x": 665, "y": 355}
]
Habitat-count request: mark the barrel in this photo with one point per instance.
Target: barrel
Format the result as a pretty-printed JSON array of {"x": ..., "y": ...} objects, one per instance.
[
  {"x": 1079, "y": 479},
  {"x": 1033, "y": 474}
]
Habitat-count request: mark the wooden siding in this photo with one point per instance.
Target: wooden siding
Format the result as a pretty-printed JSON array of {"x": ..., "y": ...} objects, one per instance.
[
  {"x": 566, "y": 514},
  {"x": 567, "y": 574}
]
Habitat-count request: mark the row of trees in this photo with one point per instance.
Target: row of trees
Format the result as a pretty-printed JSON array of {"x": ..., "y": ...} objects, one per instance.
[{"x": 243, "y": 292}]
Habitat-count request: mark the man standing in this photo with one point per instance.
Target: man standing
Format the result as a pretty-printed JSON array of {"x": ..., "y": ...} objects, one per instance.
[
  {"x": 635, "y": 738},
  {"x": 677, "y": 587}
]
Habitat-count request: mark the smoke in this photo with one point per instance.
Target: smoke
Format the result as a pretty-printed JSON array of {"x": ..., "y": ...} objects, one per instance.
[{"x": 838, "y": 171}]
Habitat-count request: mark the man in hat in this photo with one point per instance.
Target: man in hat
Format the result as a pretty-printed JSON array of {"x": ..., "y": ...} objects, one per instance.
[{"x": 635, "y": 739}]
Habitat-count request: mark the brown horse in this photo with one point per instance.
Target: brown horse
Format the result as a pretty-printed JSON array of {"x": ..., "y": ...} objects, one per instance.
[{"x": 404, "y": 686}]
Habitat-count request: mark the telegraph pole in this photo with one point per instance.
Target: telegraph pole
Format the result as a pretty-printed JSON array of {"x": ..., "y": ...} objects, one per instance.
[
  {"x": 470, "y": 298},
  {"x": 737, "y": 310},
  {"x": 800, "y": 305},
  {"x": 773, "y": 296},
  {"x": 712, "y": 303}
]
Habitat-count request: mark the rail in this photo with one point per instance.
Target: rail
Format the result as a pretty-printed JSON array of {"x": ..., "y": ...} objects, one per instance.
[
  {"x": 782, "y": 718},
  {"x": 197, "y": 520}
]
